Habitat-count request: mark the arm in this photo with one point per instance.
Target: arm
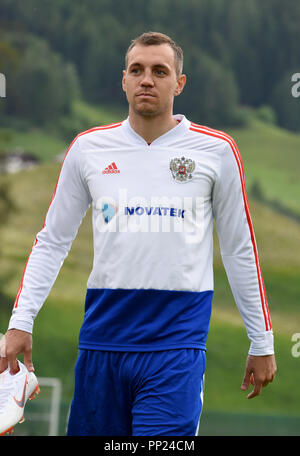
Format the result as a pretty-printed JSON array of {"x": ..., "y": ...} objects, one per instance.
[
  {"x": 240, "y": 258},
  {"x": 68, "y": 206}
]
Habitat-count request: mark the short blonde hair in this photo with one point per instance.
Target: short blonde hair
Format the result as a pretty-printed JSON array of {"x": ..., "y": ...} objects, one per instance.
[{"x": 155, "y": 39}]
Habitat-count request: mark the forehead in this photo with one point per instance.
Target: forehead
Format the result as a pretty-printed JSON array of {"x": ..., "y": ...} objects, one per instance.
[{"x": 161, "y": 54}]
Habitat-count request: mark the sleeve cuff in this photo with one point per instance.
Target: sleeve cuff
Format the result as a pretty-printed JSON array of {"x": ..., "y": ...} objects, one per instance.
[
  {"x": 261, "y": 344},
  {"x": 21, "y": 324}
]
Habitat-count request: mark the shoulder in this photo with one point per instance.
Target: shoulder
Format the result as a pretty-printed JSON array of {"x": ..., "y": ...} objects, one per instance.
[
  {"x": 228, "y": 151},
  {"x": 97, "y": 133},
  {"x": 101, "y": 128},
  {"x": 212, "y": 134}
]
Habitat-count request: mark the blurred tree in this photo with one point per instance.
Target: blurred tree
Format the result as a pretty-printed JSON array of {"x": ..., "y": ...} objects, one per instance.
[
  {"x": 43, "y": 86},
  {"x": 252, "y": 44},
  {"x": 286, "y": 106},
  {"x": 211, "y": 95},
  {"x": 9, "y": 60}
]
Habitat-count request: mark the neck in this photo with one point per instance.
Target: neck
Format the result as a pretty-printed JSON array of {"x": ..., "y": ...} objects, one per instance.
[{"x": 151, "y": 127}]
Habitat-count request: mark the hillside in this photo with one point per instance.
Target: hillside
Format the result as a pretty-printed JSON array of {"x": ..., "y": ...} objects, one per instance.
[
  {"x": 47, "y": 143},
  {"x": 272, "y": 157},
  {"x": 57, "y": 326}
]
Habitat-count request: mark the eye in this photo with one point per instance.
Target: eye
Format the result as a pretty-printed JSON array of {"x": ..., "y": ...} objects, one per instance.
[
  {"x": 160, "y": 72},
  {"x": 135, "y": 71}
]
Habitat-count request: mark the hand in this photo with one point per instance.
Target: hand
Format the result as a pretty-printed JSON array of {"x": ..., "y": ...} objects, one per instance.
[
  {"x": 260, "y": 371},
  {"x": 16, "y": 342}
]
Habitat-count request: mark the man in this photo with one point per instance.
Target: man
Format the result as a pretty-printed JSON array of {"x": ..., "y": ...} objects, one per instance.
[{"x": 155, "y": 181}]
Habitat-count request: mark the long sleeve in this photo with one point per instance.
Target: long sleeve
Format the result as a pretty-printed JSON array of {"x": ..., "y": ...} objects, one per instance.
[
  {"x": 239, "y": 250},
  {"x": 68, "y": 206}
]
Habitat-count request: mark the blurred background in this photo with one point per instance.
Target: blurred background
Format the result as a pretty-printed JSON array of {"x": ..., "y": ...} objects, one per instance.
[{"x": 60, "y": 65}]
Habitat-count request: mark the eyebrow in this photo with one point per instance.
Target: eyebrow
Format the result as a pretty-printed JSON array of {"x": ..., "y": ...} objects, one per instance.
[{"x": 156, "y": 65}]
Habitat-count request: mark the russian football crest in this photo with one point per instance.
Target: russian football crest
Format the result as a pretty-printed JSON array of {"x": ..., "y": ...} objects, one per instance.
[{"x": 182, "y": 169}]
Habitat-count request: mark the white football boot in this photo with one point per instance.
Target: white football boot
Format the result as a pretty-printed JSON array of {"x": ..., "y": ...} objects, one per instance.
[{"x": 15, "y": 390}]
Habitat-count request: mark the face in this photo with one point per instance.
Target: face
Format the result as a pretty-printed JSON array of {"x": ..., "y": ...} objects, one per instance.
[{"x": 150, "y": 80}]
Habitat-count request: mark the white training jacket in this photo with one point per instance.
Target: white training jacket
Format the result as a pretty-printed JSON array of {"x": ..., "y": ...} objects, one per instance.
[{"x": 151, "y": 284}]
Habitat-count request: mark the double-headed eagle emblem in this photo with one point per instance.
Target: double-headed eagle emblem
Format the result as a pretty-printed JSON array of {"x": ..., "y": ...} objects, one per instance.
[{"x": 182, "y": 169}]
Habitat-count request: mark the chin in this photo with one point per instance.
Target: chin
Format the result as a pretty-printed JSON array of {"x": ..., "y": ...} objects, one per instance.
[{"x": 146, "y": 112}]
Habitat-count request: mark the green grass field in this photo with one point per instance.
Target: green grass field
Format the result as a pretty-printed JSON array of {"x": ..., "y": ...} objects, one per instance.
[
  {"x": 226, "y": 408},
  {"x": 271, "y": 157}
]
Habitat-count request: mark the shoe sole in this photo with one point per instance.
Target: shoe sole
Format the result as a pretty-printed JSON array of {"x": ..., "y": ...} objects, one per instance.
[{"x": 33, "y": 395}]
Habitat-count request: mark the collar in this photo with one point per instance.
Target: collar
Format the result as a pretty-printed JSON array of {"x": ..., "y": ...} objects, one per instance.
[{"x": 178, "y": 130}]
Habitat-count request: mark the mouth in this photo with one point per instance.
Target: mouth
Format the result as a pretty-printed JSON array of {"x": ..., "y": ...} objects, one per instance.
[{"x": 145, "y": 95}]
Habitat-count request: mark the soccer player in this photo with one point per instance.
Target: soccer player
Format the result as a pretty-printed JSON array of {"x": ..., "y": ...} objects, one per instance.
[{"x": 155, "y": 182}]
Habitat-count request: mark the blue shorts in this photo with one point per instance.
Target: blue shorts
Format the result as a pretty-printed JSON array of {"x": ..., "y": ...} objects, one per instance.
[{"x": 138, "y": 393}]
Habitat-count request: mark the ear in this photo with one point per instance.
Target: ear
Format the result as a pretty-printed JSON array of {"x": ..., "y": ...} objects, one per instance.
[
  {"x": 124, "y": 80},
  {"x": 181, "y": 81}
]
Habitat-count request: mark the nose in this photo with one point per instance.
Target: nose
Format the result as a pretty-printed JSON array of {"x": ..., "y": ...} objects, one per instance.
[{"x": 147, "y": 79}]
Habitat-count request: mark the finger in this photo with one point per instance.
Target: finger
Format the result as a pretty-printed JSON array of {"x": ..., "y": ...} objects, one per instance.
[
  {"x": 256, "y": 390},
  {"x": 246, "y": 381},
  {"x": 12, "y": 363},
  {"x": 269, "y": 378},
  {"x": 28, "y": 361},
  {"x": 3, "y": 364},
  {"x": 13, "y": 366},
  {"x": 267, "y": 381}
]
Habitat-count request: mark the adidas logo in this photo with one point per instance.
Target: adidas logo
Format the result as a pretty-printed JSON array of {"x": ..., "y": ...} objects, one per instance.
[{"x": 111, "y": 169}]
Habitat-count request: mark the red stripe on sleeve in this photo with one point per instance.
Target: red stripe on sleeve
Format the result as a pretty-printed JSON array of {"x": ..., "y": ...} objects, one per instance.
[
  {"x": 104, "y": 127},
  {"x": 234, "y": 148}
]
